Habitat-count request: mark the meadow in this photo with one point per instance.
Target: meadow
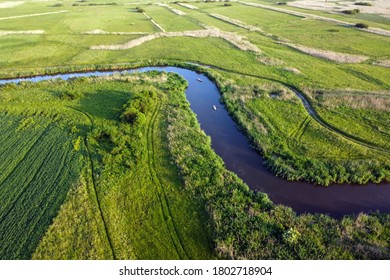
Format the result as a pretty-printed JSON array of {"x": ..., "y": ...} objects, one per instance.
[
  {"x": 135, "y": 195},
  {"x": 94, "y": 168}
]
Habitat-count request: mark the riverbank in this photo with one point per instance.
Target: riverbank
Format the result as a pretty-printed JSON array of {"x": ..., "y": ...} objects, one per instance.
[{"x": 242, "y": 223}]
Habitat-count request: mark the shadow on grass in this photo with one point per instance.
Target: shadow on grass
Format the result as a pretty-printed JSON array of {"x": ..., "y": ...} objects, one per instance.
[{"x": 104, "y": 104}]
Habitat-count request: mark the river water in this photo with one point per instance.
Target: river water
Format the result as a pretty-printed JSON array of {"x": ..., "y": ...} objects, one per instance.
[{"x": 233, "y": 147}]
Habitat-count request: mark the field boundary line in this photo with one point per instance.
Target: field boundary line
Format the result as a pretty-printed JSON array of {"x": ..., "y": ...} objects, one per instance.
[{"x": 34, "y": 15}]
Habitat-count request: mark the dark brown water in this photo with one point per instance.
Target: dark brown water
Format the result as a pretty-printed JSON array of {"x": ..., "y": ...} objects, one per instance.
[{"x": 233, "y": 147}]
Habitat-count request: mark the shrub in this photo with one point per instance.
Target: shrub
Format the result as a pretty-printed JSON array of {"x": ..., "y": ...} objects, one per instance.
[
  {"x": 57, "y": 5},
  {"x": 363, "y": 4},
  {"x": 140, "y": 10},
  {"x": 227, "y": 4},
  {"x": 351, "y": 12},
  {"x": 281, "y": 3},
  {"x": 361, "y": 25}
]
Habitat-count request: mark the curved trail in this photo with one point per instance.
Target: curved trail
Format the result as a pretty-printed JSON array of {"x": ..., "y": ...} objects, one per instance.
[
  {"x": 94, "y": 182},
  {"x": 311, "y": 111},
  {"x": 164, "y": 205}
]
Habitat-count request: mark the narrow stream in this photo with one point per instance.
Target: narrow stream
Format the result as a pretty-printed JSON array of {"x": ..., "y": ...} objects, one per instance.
[{"x": 233, "y": 147}]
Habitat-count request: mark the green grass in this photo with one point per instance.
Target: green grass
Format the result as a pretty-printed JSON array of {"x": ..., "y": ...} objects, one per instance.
[
  {"x": 295, "y": 145},
  {"x": 38, "y": 166},
  {"x": 127, "y": 202},
  {"x": 169, "y": 20}
]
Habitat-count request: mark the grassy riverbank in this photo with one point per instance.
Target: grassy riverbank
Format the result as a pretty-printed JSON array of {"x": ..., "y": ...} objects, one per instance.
[
  {"x": 300, "y": 146},
  {"x": 136, "y": 195},
  {"x": 131, "y": 174}
]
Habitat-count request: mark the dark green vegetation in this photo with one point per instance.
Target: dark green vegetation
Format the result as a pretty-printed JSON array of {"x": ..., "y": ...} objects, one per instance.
[
  {"x": 351, "y": 12},
  {"x": 363, "y": 4},
  {"x": 38, "y": 165},
  {"x": 361, "y": 25},
  {"x": 151, "y": 187}
]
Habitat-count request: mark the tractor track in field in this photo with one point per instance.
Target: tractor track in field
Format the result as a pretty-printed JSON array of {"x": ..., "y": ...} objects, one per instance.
[
  {"x": 300, "y": 130},
  {"x": 94, "y": 182},
  {"x": 164, "y": 205}
]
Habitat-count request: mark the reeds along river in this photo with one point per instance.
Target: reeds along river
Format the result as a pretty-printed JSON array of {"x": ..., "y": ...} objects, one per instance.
[{"x": 233, "y": 147}]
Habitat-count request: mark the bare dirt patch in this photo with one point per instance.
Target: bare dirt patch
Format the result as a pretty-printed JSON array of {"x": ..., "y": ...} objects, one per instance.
[
  {"x": 329, "y": 55},
  {"x": 383, "y": 63},
  {"x": 10, "y": 4},
  {"x": 188, "y": 6},
  {"x": 34, "y": 15},
  {"x": 21, "y": 32},
  {"x": 375, "y": 100},
  {"x": 238, "y": 41},
  {"x": 154, "y": 23},
  {"x": 176, "y": 11},
  {"x": 102, "y": 32}
]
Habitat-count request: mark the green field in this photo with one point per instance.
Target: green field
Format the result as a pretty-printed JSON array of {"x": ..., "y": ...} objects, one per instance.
[
  {"x": 95, "y": 168},
  {"x": 129, "y": 192}
]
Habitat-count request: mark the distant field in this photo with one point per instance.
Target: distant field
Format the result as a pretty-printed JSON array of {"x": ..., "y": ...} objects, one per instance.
[{"x": 65, "y": 44}]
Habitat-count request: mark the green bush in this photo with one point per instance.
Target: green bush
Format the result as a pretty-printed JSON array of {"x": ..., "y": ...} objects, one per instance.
[
  {"x": 363, "y": 4},
  {"x": 361, "y": 25},
  {"x": 351, "y": 12},
  {"x": 140, "y": 10}
]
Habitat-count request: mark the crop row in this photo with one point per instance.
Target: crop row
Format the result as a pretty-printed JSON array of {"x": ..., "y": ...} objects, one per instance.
[{"x": 33, "y": 191}]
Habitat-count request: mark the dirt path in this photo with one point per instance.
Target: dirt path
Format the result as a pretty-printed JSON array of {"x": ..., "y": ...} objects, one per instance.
[
  {"x": 164, "y": 205},
  {"x": 34, "y": 15},
  {"x": 329, "y": 55},
  {"x": 153, "y": 22},
  {"x": 21, "y": 32},
  {"x": 10, "y": 4},
  {"x": 102, "y": 32},
  {"x": 175, "y": 11},
  {"x": 238, "y": 41}
]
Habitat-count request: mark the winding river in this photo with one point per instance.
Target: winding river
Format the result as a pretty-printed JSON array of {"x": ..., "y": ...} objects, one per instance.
[{"x": 233, "y": 147}]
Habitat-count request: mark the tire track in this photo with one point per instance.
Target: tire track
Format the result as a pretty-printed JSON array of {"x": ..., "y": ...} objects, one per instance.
[
  {"x": 172, "y": 229},
  {"x": 94, "y": 182}
]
